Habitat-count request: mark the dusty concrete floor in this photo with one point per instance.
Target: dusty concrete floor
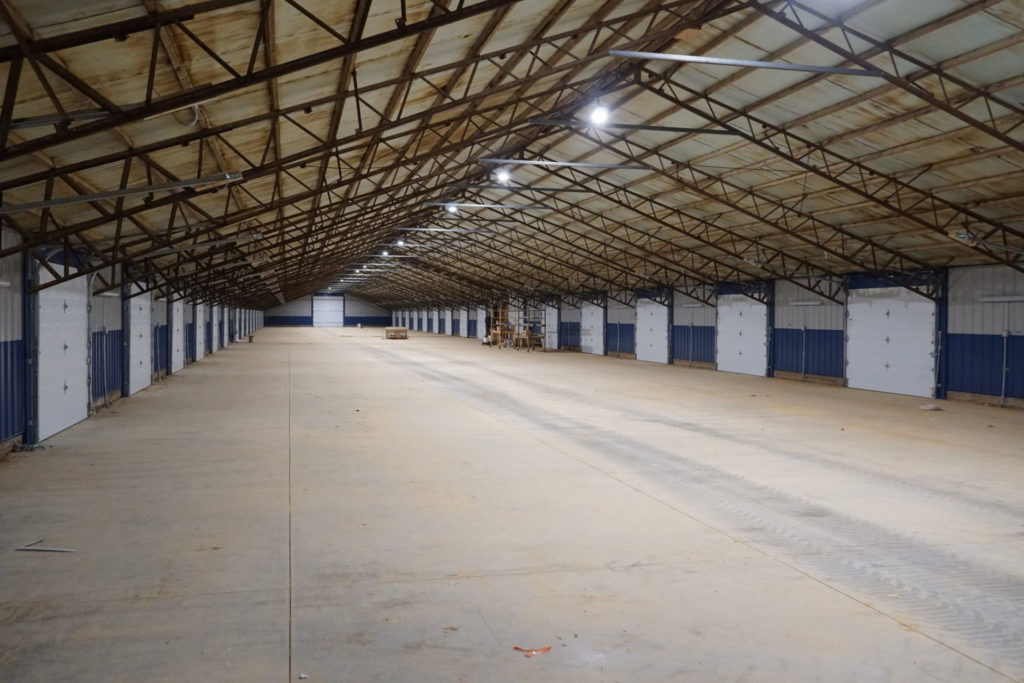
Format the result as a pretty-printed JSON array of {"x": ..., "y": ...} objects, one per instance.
[{"x": 328, "y": 503}]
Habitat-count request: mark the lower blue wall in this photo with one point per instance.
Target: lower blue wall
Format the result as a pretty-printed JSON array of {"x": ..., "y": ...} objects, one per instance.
[
  {"x": 620, "y": 337},
  {"x": 161, "y": 348},
  {"x": 456, "y": 326},
  {"x": 209, "y": 336},
  {"x": 702, "y": 339},
  {"x": 367, "y": 320},
  {"x": 569, "y": 334},
  {"x": 441, "y": 323},
  {"x": 976, "y": 360},
  {"x": 288, "y": 320},
  {"x": 12, "y": 389},
  {"x": 471, "y": 328},
  {"x": 190, "y": 342},
  {"x": 107, "y": 362},
  {"x": 430, "y": 324},
  {"x": 824, "y": 350}
]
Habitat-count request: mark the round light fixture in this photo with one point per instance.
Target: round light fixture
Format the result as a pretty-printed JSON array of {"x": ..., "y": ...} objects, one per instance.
[
  {"x": 599, "y": 116},
  {"x": 401, "y": 243},
  {"x": 385, "y": 252},
  {"x": 452, "y": 209},
  {"x": 504, "y": 176}
]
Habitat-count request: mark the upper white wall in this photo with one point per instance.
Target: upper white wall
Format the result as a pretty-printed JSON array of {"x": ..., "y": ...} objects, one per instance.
[
  {"x": 356, "y": 307},
  {"x": 968, "y": 314},
  {"x": 303, "y": 306},
  {"x": 689, "y": 311},
  {"x": 10, "y": 288},
  {"x": 810, "y": 310}
]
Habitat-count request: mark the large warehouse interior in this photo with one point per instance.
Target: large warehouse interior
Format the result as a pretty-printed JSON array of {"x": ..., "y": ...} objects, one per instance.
[{"x": 562, "y": 340}]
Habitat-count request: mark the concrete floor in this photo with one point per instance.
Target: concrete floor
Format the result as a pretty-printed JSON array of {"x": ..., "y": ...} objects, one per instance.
[{"x": 328, "y": 503}]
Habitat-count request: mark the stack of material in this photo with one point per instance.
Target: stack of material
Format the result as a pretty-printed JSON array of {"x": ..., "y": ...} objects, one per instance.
[{"x": 396, "y": 333}]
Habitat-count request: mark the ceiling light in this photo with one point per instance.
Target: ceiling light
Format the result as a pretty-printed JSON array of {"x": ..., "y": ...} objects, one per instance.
[
  {"x": 599, "y": 116},
  {"x": 384, "y": 253},
  {"x": 452, "y": 209},
  {"x": 401, "y": 243},
  {"x": 504, "y": 176}
]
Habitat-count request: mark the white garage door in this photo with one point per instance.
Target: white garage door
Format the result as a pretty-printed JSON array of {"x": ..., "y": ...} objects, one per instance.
[
  {"x": 550, "y": 327},
  {"x": 200, "y": 331},
  {"x": 591, "y": 328},
  {"x": 140, "y": 344},
  {"x": 890, "y": 341},
  {"x": 63, "y": 354},
  {"x": 652, "y": 333},
  {"x": 328, "y": 311},
  {"x": 742, "y": 336},
  {"x": 177, "y": 336}
]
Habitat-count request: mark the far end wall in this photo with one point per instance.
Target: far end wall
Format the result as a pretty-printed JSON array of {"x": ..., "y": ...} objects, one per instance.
[{"x": 300, "y": 312}]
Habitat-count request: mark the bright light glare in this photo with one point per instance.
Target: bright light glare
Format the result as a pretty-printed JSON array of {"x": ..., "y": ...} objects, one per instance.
[
  {"x": 599, "y": 116},
  {"x": 385, "y": 252},
  {"x": 401, "y": 243},
  {"x": 452, "y": 209},
  {"x": 503, "y": 176}
]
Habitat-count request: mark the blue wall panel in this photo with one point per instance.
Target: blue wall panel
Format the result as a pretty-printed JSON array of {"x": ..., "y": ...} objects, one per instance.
[
  {"x": 976, "y": 364},
  {"x": 107, "y": 362},
  {"x": 620, "y": 337},
  {"x": 456, "y": 327},
  {"x": 430, "y": 323},
  {"x": 209, "y": 337},
  {"x": 823, "y": 349},
  {"x": 190, "y": 342},
  {"x": 161, "y": 349},
  {"x": 441, "y": 323},
  {"x": 471, "y": 328},
  {"x": 12, "y": 389},
  {"x": 569, "y": 334},
  {"x": 285, "y": 320},
  {"x": 368, "y": 320},
  {"x": 699, "y": 338}
]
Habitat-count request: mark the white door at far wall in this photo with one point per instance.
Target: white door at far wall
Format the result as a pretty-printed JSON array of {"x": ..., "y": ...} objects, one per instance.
[
  {"x": 328, "y": 311},
  {"x": 140, "y": 344}
]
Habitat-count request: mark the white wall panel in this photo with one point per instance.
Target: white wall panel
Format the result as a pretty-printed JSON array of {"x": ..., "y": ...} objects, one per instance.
[
  {"x": 890, "y": 341},
  {"x": 652, "y": 331},
  {"x": 972, "y": 309},
  {"x": 570, "y": 314},
  {"x": 356, "y": 307},
  {"x": 301, "y": 307},
  {"x": 63, "y": 378},
  {"x": 140, "y": 342},
  {"x": 689, "y": 311},
  {"x": 328, "y": 311},
  {"x": 436, "y": 317},
  {"x": 797, "y": 308},
  {"x": 620, "y": 313},
  {"x": 177, "y": 336},
  {"x": 742, "y": 336},
  {"x": 463, "y": 322},
  {"x": 447, "y": 320},
  {"x": 550, "y": 327},
  {"x": 591, "y": 328}
]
